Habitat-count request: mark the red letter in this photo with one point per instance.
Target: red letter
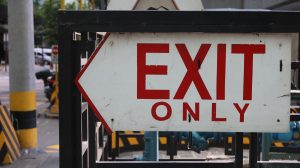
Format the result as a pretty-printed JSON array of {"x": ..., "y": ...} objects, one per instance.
[
  {"x": 154, "y": 108},
  {"x": 248, "y": 50},
  {"x": 221, "y": 71},
  {"x": 241, "y": 111},
  {"x": 143, "y": 70},
  {"x": 187, "y": 109},
  {"x": 192, "y": 74},
  {"x": 214, "y": 114}
]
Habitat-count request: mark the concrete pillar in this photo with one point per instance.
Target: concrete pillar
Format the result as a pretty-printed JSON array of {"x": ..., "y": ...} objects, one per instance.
[{"x": 21, "y": 72}]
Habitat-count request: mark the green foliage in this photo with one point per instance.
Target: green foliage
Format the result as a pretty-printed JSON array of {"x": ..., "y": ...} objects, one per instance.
[
  {"x": 38, "y": 23},
  {"x": 36, "y": 2},
  {"x": 71, "y": 6},
  {"x": 3, "y": 2},
  {"x": 49, "y": 12},
  {"x": 45, "y": 21}
]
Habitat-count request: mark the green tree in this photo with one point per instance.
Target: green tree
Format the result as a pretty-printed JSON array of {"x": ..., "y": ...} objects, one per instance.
[
  {"x": 3, "y": 2},
  {"x": 36, "y": 2},
  {"x": 71, "y": 6},
  {"x": 49, "y": 13},
  {"x": 45, "y": 21},
  {"x": 38, "y": 23}
]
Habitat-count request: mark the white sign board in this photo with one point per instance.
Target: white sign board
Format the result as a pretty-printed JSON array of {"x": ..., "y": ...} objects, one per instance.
[
  {"x": 190, "y": 82},
  {"x": 186, "y": 5}
]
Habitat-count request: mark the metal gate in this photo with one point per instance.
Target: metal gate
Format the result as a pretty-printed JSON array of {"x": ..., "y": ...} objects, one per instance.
[{"x": 82, "y": 140}]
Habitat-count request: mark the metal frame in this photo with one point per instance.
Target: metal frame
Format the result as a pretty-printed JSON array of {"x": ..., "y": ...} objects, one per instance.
[{"x": 70, "y": 129}]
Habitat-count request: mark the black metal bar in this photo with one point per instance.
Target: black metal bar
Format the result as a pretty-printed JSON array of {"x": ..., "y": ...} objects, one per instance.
[
  {"x": 286, "y": 149},
  {"x": 253, "y": 150},
  {"x": 239, "y": 150},
  {"x": 295, "y": 117},
  {"x": 66, "y": 126},
  {"x": 85, "y": 160},
  {"x": 91, "y": 115},
  {"x": 298, "y": 82},
  {"x": 187, "y": 21},
  {"x": 84, "y": 128},
  {"x": 85, "y": 115},
  {"x": 171, "y": 146},
  {"x": 295, "y": 65},
  {"x": 170, "y": 164},
  {"x": 190, "y": 140},
  {"x": 109, "y": 146},
  {"x": 101, "y": 136},
  {"x": 92, "y": 138},
  {"x": 76, "y": 99},
  {"x": 233, "y": 145},
  {"x": 117, "y": 150},
  {"x": 259, "y": 143},
  {"x": 70, "y": 108}
]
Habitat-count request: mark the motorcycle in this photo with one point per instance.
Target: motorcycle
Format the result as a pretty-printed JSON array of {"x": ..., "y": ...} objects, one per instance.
[{"x": 49, "y": 80}]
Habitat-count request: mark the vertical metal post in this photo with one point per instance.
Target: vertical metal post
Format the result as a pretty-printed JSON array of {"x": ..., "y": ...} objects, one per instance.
[
  {"x": 238, "y": 150},
  {"x": 253, "y": 150},
  {"x": 92, "y": 138},
  {"x": 266, "y": 144},
  {"x": 91, "y": 116},
  {"x": 70, "y": 99},
  {"x": 297, "y": 72},
  {"x": 21, "y": 72},
  {"x": 117, "y": 143},
  {"x": 190, "y": 145},
  {"x": 85, "y": 116},
  {"x": 171, "y": 145},
  {"x": 151, "y": 146},
  {"x": 5, "y": 47}
]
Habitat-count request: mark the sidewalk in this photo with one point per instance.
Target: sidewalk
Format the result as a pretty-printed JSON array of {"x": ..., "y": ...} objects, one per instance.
[
  {"x": 42, "y": 160},
  {"x": 47, "y": 153}
]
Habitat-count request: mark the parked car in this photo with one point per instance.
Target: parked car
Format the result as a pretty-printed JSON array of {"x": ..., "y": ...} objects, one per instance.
[{"x": 42, "y": 56}]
